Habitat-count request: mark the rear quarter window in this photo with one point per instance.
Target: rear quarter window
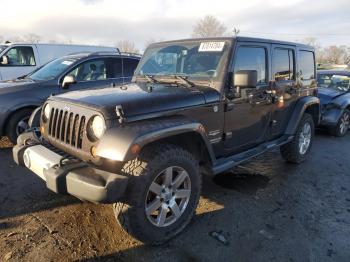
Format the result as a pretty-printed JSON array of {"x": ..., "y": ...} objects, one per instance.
[{"x": 306, "y": 65}]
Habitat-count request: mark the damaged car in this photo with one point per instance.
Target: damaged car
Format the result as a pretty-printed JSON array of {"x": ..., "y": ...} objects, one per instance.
[{"x": 334, "y": 94}]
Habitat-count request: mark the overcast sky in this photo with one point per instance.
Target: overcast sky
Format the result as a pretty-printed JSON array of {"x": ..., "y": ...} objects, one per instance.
[{"x": 108, "y": 21}]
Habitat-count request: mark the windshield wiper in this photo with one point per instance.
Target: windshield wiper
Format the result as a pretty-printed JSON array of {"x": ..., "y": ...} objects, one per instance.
[
  {"x": 150, "y": 78},
  {"x": 164, "y": 79},
  {"x": 185, "y": 80}
]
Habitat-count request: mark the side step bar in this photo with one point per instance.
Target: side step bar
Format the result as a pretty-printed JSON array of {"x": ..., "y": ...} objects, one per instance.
[{"x": 224, "y": 164}]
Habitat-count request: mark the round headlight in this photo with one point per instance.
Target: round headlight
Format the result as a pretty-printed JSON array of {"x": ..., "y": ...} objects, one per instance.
[
  {"x": 47, "y": 111},
  {"x": 97, "y": 127}
]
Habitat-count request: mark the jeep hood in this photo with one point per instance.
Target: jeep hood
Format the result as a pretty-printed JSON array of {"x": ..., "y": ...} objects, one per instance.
[
  {"x": 136, "y": 99},
  {"x": 326, "y": 95}
]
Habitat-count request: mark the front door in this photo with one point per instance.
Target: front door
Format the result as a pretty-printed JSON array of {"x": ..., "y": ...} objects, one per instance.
[
  {"x": 95, "y": 73},
  {"x": 247, "y": 117},
  {"x": 21, "y": 61}
]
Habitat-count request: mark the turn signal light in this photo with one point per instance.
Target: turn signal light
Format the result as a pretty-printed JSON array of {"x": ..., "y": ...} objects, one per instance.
[
  {"x": 135, "y": 149},
  {"x": 93, "y": 151}
]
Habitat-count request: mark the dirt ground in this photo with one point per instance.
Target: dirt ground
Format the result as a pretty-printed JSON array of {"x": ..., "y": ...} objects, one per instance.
[{"x": 266, "y": 210}]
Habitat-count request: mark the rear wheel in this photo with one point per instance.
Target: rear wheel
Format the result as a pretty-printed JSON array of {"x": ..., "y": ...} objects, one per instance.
[
  {"x": 297, "y": 150},
  {"x": 18, "y": 123},
  {"x": 343, "y": 124},
  {"x": 162, "y": 196}
]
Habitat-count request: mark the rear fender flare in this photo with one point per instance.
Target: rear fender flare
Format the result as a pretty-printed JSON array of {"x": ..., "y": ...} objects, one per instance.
[{"x": 301, "y": 107}]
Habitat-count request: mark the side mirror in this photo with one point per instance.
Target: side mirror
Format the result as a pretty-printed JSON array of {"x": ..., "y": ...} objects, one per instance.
[
  {"x": 4, "y": 60},
  {"x": 68, "y": 80},
  {"x": 245, "y": 78}
]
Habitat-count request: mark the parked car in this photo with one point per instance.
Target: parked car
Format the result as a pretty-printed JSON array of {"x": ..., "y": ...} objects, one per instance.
[
  {"x": 18, "y": 98},
  {"x": 334, "y": 94},
  {"x": 20, "y": 59},
  {"x": 197, "y": 105}
]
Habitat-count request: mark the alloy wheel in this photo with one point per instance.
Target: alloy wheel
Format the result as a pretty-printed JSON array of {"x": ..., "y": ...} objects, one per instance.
[
  {"x": 22, "y": 125},
  {"x": 168, "y": 196},
  {"x": 344, "y": 123},
  {"x": 305, "y": 138}
]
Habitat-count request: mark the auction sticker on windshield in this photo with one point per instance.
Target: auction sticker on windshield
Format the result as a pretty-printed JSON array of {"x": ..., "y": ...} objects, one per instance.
[{"x": 211, "y": 47}]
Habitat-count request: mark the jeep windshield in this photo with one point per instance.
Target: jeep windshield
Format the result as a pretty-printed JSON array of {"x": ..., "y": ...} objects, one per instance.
[
  {"x": 195, "y": 60},
  {"x": 52, "y": 69},
  {"x": 334, "y": 81}
]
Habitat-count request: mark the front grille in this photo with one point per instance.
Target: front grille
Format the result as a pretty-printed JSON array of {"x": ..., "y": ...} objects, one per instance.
[{"x": 67, "y": 127}]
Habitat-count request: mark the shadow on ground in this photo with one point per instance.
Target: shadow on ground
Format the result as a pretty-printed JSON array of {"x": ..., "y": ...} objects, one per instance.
[{"x": 266, "y": 209}]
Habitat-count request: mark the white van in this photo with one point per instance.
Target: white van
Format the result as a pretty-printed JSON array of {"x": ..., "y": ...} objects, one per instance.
[{"x": 20, "y": 59}]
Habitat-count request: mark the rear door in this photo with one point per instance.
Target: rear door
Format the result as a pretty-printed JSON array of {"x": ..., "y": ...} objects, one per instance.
[
  {"x": 284, "y": 87},
  {"x": 129, "y": 66},
  {"x": 115, "y": 72}
]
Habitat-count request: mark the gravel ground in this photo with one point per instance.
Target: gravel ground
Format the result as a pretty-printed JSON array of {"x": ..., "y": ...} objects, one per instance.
[{"x": 265, "y": 210}]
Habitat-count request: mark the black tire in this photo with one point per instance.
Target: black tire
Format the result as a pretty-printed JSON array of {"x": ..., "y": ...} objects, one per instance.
[
  {"x": 11, "y": 130},
  {"x": 291, "y": 151},
  {"x": 142, "y": 171},
  {"x": 338, "y": 130}
]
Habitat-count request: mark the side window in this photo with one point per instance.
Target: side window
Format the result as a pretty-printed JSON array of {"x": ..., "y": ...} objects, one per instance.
[
  {"x": 115, "y": 68},
  {"x": 91, "y": 70},
  {"x": 283, "y": 64},
  {"x": 129, "y": 66},
  {"x": 21, "y": 56},
  {"x": 252, "y": 58},
  {"x": 306, "y": 65}
]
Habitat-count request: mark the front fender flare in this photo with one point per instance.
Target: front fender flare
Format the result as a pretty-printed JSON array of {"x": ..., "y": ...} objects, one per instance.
[{"x": 117, "y": 143}]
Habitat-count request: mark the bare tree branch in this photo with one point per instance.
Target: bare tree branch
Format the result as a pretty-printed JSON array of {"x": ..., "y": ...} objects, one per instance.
[{"x": 127, "y": 46}]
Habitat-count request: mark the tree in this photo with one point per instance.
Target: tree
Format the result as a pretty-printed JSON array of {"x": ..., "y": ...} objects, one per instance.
[
  {"x": 312, "y": 41},
  {"x": 209, "y": 26},
  {"x": 335, "y": 54},
  {"x": 127, "y": 46},
  {"x": 31, "y": 38}
]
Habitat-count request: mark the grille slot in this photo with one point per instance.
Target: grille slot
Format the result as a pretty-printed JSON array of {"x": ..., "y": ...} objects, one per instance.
[{"x": 67, "y": 127}]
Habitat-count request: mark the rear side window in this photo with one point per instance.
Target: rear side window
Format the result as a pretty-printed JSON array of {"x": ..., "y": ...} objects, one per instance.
[
  {"x": 283, "y": 64},
  {"x": 129, "y": 66},
  {"x": 306, "y": 65},
  {"x": 252, "y": 58},
  {"x": 115, "y": 68},
  {"x": 21, "y": 56}
]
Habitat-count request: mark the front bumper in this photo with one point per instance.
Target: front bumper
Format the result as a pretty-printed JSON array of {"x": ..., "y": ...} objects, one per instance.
[
  {"x": 330, "y": 117},
  {"x": 68, "y": 177}
]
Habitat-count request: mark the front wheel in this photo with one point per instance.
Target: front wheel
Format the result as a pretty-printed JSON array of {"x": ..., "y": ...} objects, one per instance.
[
  {"x": 343, "y": 124},
  {"x": 297, "y": 150},
  {"x": 18, "y": 124},
  {"x": 163, "y": 194}
]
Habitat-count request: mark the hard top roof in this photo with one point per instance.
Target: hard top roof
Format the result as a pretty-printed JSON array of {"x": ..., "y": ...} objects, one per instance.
[
  {"x": 241, "y": 39},
  {"x": 102, "y": 54}
]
